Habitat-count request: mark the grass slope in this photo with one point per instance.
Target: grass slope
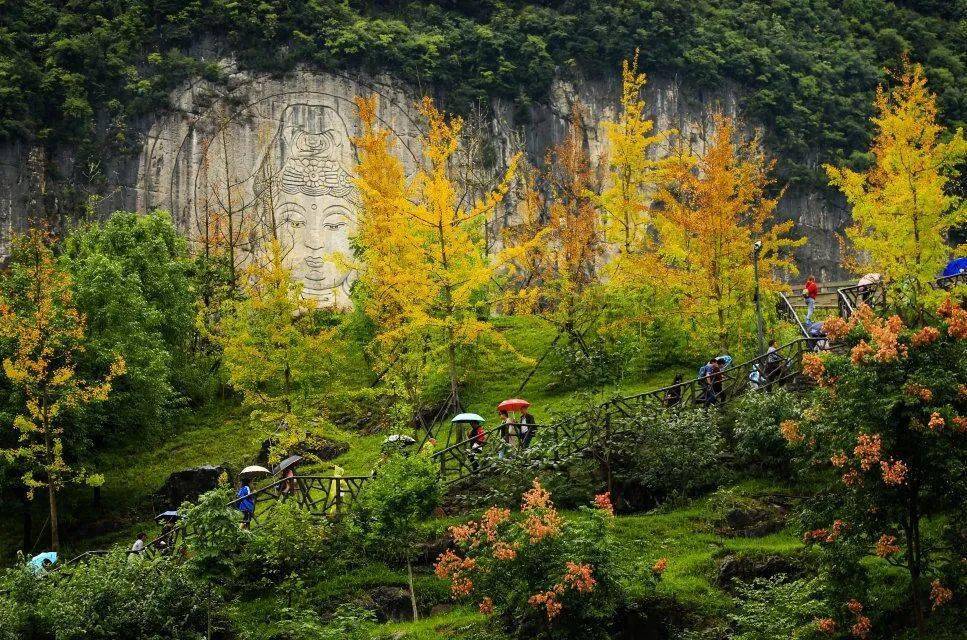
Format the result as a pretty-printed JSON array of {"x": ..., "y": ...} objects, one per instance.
[{"x": 222, "y": 433}]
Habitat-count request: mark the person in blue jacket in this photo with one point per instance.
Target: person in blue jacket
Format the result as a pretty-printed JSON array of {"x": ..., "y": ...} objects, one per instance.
[{"x": 246, "y": 505}]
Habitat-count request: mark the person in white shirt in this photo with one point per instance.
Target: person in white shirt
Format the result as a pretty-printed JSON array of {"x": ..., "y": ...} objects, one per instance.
[{"x": 138, "y": 547}]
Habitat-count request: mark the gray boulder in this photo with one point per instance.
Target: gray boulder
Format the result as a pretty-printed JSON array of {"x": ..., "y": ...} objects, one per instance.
[{"x": 188, "y": 484}]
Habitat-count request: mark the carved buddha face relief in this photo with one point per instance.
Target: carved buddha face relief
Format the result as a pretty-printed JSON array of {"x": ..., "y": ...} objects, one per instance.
[
  {"x": 315, "y": 237},
  {"x": 314, "y": 214}
]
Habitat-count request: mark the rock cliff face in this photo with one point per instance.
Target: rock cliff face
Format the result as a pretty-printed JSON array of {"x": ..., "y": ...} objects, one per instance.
[{"x": 268, "y": 150}]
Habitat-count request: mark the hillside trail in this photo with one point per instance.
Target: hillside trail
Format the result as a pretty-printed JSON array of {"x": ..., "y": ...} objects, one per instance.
[{"x": 329, "y": 496}]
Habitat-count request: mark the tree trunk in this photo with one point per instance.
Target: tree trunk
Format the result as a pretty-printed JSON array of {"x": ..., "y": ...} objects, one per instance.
[
  {"x": 409, "y": 574},
  {"x": 914, "y": 560},
  {"x": 54, "y": 535}
]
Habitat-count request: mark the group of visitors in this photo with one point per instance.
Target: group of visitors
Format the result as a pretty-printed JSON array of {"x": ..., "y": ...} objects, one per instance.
[
  {"x": 712, "y": 376},
  {"x": 514, "y": 434},
  {"x": 517, "y": 434}
]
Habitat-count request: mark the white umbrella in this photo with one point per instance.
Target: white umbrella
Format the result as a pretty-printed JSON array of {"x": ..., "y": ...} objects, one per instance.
[
  {"x": 253, "y": 469},
  {"x": 870, "y": 278}
]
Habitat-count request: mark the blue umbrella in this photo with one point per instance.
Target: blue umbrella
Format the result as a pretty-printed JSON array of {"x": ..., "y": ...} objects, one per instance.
[
  {"x": 37, "y": 562},
  {"x": 955, "y": 267},
  {"x": 727, "y": 358},
  {"x": 467, "y": 417}
]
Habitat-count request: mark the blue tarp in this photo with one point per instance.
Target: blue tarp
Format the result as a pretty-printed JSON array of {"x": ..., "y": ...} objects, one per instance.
[{"x": 955, "y": 267}]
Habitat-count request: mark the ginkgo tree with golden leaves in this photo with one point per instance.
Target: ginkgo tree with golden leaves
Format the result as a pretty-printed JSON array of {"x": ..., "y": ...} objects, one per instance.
[
  {"x": 715, "y": 207},
  {"x": 576, "y": 232},
  {"x": 902, "y": 209},
  {"x": 45, "y": 335},
  {"x": 271, "y": 348},
  {"x": 632, "y": 176},
  {"x": 423, "y": 268}
]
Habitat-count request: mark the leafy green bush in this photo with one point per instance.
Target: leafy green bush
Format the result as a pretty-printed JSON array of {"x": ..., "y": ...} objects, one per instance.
[
  {"x": 660, "y": 453},
  {"x": 107, "y": 598},
  {"x": 390, "y": 507},
  {"x": 131, "y": 282},
  {"x": 287, "y": 544},
  {"x": 771, "y": 608},
  {"x": 755, "y": 423}
]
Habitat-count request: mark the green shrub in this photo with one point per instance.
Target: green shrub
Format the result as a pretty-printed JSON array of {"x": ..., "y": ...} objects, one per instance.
[
  {"x": 287, "y": 543},
  {"x": 771, "y": 608},
  {"x": 662, "y": 453},
  {"x": 390, "y": 507},
  {"x": 107, "y": 598},
  {"x": 755, "y": 423}
]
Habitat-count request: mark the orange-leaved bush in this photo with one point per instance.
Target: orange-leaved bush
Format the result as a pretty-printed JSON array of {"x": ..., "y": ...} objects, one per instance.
[
  {"x": 886, "y": 434},
  {"x": 554, "y": 577}
]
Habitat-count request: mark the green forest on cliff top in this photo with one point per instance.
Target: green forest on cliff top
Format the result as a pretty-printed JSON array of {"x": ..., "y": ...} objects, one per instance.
[{"x": 76, "y": 73}]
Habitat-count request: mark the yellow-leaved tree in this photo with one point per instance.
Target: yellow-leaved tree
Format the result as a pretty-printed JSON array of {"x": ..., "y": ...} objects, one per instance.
[
  {"x": 576, "y": 233},
  {"x": 46, "y": 338},
  {"x": 632, "y": 178},
  {"x": 714, "y": 208},
  {"x": 425, "y": 277},
  {"x": 901, "y": 211},
  {"x": 271, "y": 348}
]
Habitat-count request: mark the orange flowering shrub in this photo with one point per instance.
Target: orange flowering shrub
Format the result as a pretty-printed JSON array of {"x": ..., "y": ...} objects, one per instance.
[
  {"x": 790, "y": 431},
  {"x": 916, "y": 390},
  {"x": 813, "y": 367},
  {"x": 924, "y": 337},
  {"x": 836, "y": 328},
  {"x": 886, "y": 546},
  {"x": 862, "y": 627},
  {"x": 826, "y": 625},
  {"x": 860, "y": 352},
  {"x": 894, "y": 472},
  {"x": 603, "y": 502},
  {"x": 868, "y": 449},
  {"x": 535, "y": 567},
  {"x": 939, "y": 594},
  {"x": 890, "y": 439}
]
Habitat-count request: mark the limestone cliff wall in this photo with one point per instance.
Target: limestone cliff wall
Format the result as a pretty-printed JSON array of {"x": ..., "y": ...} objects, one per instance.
[{"x": 278, "y": 149}]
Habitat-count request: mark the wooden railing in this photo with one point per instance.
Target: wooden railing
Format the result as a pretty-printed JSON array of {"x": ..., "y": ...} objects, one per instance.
[
  {"x": 872, "y": 295},
  {"x": 949, "y": 282},
  {"x": 469, "y": 458}
]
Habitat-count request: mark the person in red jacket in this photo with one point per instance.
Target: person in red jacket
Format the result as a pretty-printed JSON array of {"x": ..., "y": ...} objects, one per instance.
[{"x": 809, "y": 291}]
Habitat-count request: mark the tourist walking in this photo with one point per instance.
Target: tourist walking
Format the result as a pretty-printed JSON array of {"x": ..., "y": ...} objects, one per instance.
[
  {"x": 706, "y": 378},
  {"x": 246, "y": 505},
  {"x": 508, "y": 432},
  {"x": 138, "y": 547},
  {"x": 773, "y": 362},
  {"x": 809, "y": 291},
  {"x": 718, "y": 379},
  {"x": 477, "y": 439},
  {"x": 528, "y": 427},
  {"x": 674, "y": 394}
]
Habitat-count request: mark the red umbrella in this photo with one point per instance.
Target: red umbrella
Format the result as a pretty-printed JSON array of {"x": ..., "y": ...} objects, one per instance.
[{"x": 514, "y": 404}]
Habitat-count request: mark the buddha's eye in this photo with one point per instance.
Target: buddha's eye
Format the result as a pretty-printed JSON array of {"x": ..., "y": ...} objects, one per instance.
[
  {"x": 292, "y": 217},
  {"x": 333, "y": 226}
]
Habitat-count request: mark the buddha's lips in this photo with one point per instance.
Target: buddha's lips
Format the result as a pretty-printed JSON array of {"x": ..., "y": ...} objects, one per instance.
[{"x": 315, "y": 263}]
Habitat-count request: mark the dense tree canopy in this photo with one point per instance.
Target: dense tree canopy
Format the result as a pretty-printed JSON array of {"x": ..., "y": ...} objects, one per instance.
[{"x": 811, "y": 65}]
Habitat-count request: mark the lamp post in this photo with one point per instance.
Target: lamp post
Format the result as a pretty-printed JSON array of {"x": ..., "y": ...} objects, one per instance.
[{"x": 756, "y": 249}]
